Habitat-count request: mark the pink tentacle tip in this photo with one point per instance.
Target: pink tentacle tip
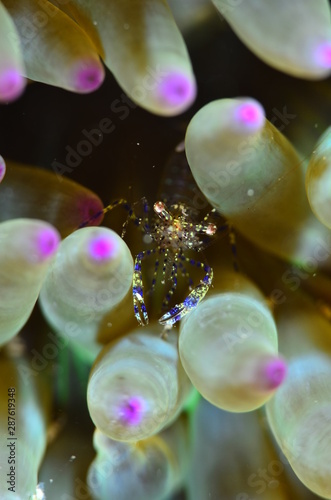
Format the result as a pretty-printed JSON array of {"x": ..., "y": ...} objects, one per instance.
[
  {"x": 274, "y": 373},
  {"x": 88, "y": 77},
  {"x": 12, "y": 84},
  {"x": 177, "y": 90},
  {"x": 103, "y": 247},
  {"x": 47, "y": 243},
  {"x": 323, "y": 55},
  {"x": 132, "y": 411},
  {"x": 250, "y": 115},
  {"x": 2, "y": 168}
]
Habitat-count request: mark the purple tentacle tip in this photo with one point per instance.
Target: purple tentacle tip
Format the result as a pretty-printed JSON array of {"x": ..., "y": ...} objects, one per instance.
[
  {"x": 132, "y": 411},
  {"x": 102, "y": 247},
  {"x": 11, "y": 85},
  {"x": 88, "y": 77},
  {"x": 47, "y": 243},
  {"x": 250, "y": 115},
  {"x": 274, "y": 373},
  {"x": 323, "y": 55},
  {"x": 2, "y": 168},
  {"x": 177, "y": 90}
]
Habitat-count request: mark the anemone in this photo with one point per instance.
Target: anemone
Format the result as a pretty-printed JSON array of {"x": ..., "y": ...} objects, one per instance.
[{"x": 224, "y": 394}]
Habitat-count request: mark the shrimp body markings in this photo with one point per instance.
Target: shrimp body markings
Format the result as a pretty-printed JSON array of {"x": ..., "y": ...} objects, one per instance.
[
  {"x": 174, "y": 232},
  {"x": 174, "y": 229}
]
